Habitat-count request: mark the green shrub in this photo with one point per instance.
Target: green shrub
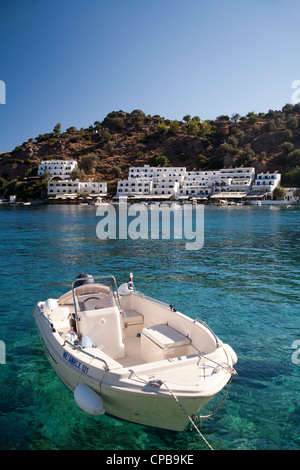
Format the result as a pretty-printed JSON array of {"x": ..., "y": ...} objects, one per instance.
[
  {"x": 192, "y": 127},
  {"x": 71, "y": 130},
  {"x": 286, "y": 147},
  {"x": 162, "y": 128},
  {"x": 279, "y": 192},
  {"x": 77, "y": 173},
  {"x": 294, "y": 157},
  {"x": 174, "y": 127},
  {"x": 186, "y": 118},
  {"x": 292, "y": 177},
  {"x": 201, "y": 161},
  {"x": 57, "y": 128},
  {"x": 225, "y": 149},
  {"x": 3, "y": 183},
  {"x": 160, "y": 161},
  {"x": 116, "y": 171},
  {"x": 292, "y": 123},
  {"x": 88, "y": 161},
  {"x": 252, "y": 117},
  {"x": 205, "y": 129}
]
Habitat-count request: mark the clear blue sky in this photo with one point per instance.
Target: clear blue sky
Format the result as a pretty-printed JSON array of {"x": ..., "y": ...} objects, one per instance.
[{"x": 73, "y": 62}]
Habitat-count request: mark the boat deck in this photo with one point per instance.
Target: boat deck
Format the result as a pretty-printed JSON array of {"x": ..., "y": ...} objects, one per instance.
[{"x": 133, "y": 352}]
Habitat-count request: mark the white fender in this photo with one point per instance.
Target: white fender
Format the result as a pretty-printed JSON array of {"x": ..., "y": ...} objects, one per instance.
[
  {"x": 231, "y": 353},
  {"x": 88, "y": 400},
  {"x": 50, "y": 305}
]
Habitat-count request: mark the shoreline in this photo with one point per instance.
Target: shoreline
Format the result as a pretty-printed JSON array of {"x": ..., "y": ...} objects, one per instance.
[{"x": 145, "y": 201}]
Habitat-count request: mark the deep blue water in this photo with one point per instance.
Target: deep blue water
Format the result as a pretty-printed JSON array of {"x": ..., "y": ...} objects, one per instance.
[{"x": 244, "y": 283}]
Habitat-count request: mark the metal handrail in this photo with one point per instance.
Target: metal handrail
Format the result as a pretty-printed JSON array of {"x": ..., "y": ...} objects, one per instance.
[
  {"x": 163, "y": 304},
  {"x": 208, "y": 327}
]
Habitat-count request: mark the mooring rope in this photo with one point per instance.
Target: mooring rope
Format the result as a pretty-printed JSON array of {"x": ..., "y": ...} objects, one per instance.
[
  {"x": 232, "y": 372},
  {"x": 188, "y": 416},
  {"x": 157, "y": 383}
]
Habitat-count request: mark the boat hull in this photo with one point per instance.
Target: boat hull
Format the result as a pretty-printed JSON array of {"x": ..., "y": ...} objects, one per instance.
[
  {"x": 152, "y": 410},
  {"x": 140, "y": 403}
]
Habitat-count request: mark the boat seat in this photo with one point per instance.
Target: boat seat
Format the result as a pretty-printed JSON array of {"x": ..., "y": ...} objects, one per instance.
[
  {"x": 84, "y": 289},
  {"x": 160, "y": 342},
  {"x": 133, "y": 322},
  {"x": 96, "y": 300},
  {"x": 103, "y": 327}
]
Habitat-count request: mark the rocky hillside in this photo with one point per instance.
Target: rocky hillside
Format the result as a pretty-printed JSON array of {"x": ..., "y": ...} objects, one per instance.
[{"x": 105, "y": 151}]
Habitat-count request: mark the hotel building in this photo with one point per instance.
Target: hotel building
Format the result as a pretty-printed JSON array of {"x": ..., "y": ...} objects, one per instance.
[
  {"x": 227, "y": 183},
  {"x": 58, "y": 169}
]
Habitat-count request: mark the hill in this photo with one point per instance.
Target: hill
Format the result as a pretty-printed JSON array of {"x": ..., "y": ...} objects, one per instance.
[{"x": 105, "y": 151}]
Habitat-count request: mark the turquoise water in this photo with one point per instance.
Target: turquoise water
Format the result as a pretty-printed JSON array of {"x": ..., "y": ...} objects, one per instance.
[{"x": 244, "y": 283}]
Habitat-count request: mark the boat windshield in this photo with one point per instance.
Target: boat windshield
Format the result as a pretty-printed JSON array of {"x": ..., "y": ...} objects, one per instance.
[{"x": 96, "y": 293}]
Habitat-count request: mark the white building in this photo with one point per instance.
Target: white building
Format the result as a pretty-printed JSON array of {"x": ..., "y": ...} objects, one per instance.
[
  {"x": 205, "y": 177},
  {"x": 266, "y": 182},
  {"x": 238, "y": 173},
  {"x": 197, "y": 190},
  {"x": 292, "y": 196},
  {"x": 63, "y": 187},
  {"x": 134, "y": 187},
  {"x": 152, "y": 172},
  {"x": 93, "y": 188},
  {"x": 176, "y": 181},
  {"x": 72, "y": 188},
  {"x": 163, "y": 187},
  {"x": 146, "y": 180},
  {"x": 58, "y": 169},
  {"x": 227, "y": 182}
]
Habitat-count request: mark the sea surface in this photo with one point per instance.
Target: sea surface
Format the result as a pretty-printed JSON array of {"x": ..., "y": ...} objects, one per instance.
[{"x": 244, "y": 283}]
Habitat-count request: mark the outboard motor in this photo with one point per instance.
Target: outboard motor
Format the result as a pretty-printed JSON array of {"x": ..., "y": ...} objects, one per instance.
[{"x": 84, "y": 279}]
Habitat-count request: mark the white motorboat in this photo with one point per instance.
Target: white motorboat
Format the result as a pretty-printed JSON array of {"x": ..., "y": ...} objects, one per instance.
[{"x": 130, "y": 356}]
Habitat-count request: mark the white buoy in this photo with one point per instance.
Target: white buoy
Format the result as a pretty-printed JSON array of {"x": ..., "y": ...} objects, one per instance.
[{"x": 88, "y": 400}]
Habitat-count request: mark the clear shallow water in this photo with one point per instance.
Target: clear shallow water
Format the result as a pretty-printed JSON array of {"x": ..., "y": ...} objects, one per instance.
[{"x": 244, "y": 283}]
